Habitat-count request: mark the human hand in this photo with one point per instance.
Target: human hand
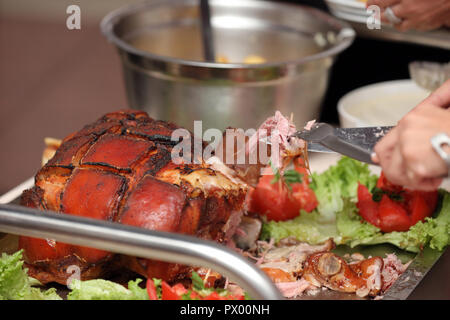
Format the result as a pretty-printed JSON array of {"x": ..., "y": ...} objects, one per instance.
[
  {"x": 406, "y": 154},
  {"x": 416, "y": 14}
]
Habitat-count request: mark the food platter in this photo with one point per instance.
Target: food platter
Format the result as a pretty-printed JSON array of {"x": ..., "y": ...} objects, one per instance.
[{"x": 421, "y": 264}]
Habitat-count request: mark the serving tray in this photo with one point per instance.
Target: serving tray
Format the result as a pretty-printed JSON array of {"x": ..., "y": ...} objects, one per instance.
[{"x": 421, "y": 263}]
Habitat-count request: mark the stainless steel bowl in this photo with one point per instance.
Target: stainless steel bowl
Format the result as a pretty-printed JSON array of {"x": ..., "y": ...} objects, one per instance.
[{"x": 160, "y": 47}]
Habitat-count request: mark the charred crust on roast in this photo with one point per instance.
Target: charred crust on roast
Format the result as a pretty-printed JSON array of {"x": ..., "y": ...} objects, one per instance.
[
  {"x": 107, "y": 166},
  {"x": 33, "y": 198},
  {"x": 158, "y": 138},
  {"x": 158, "y": 161}
]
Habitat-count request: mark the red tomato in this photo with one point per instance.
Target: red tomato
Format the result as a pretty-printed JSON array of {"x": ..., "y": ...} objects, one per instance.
[
  {"x": 421, "y": 205},
  {"x": 214, "y": 296},
  {"x": 279, "y": 202},
  {"x": 304, "y": 195},
  {"x": 386, "y": 185},
  {"x": 168, "y": 293},
  {"x": 395, "y": 215},
  {"x": 151, "y": 290},
  {"x": 368, "y": 209},
  {"x": 177, "y": 291}
]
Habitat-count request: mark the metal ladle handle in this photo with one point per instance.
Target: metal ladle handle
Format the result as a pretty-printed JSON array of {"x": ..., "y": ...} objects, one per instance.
[
  {"x": 138, "y": 242},
  {"x": 206, "y": 31}
]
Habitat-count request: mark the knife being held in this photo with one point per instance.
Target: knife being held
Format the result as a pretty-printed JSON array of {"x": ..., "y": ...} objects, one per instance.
[{"x": 356, "y": 143}]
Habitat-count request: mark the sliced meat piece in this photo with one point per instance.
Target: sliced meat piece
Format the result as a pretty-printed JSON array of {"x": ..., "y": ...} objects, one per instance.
[
  {"x": 329, "y": 270},
  {"x": 290, "y": 259}
]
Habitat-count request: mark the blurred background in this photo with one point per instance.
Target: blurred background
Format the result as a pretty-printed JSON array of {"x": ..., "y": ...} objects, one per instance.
[{"x": 53, "y": 80}]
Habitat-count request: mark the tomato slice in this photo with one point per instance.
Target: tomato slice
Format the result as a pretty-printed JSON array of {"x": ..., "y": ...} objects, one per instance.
[
  {"x": 279, "y": 202},
  {"x": 179, "y": 289},
  {"x": 386, "y": 185},
  {"x": 168, "y": 293},
  {"x": 368, "y": 209},
  {"x": 392, "y": 215},
  {"x": 304, "y": 196},
  {"x": 151, "y": 290},
  {"x": 421, "y": 205}
]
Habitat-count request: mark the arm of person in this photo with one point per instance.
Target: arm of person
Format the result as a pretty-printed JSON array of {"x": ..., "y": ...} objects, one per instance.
[
  {"x": 422, "y": 15},
  {"x": 406, "y": 154}
]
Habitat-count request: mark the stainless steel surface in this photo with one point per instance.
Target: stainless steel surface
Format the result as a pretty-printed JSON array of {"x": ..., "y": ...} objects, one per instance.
[
  {"x": 356, "y": 143},
  {"x": 416, "y": 271},
  {"x": 138, "y": 242},
  {"x": 429, "y": 75},
  {"x": 160, "y": 47}
]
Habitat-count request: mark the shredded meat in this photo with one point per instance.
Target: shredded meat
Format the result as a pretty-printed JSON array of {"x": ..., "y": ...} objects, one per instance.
[
  {"x": 393, "y": 268},
  {"x": 297, "y": 268},
  {"x": 271, "y": 142}
]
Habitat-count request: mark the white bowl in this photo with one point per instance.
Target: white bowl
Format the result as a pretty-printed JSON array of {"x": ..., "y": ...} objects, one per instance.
[{"x": 379, "y": 104}]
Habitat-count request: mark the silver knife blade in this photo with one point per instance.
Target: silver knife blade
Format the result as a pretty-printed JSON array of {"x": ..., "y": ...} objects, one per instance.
[
  {"x": 416, "y": 271},
  {"x": 356, "y": 143},
  {"x": 317, "y": 147}
]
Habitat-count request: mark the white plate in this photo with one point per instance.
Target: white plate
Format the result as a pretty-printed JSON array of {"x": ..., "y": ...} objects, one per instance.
[
  {"x": 349, "y": 16},
  {"x": 349, "y": 8}
]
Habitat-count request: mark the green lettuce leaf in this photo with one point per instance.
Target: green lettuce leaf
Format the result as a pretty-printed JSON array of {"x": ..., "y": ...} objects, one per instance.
[
  {"x": 351, "y": 226},
  {"x": 332, "y": 187},
  {"x": 308, "y": 227},
  {"x": 340, "y": 182},
  {"x": 433, "y": 231},
  {"x": 137, "y": 292},
  {"x": 99, "y": 289},
  {"x": 15, "y": 284},
  {"x": 439, "y": 229},
  {"x": 337, "y": 215}
]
